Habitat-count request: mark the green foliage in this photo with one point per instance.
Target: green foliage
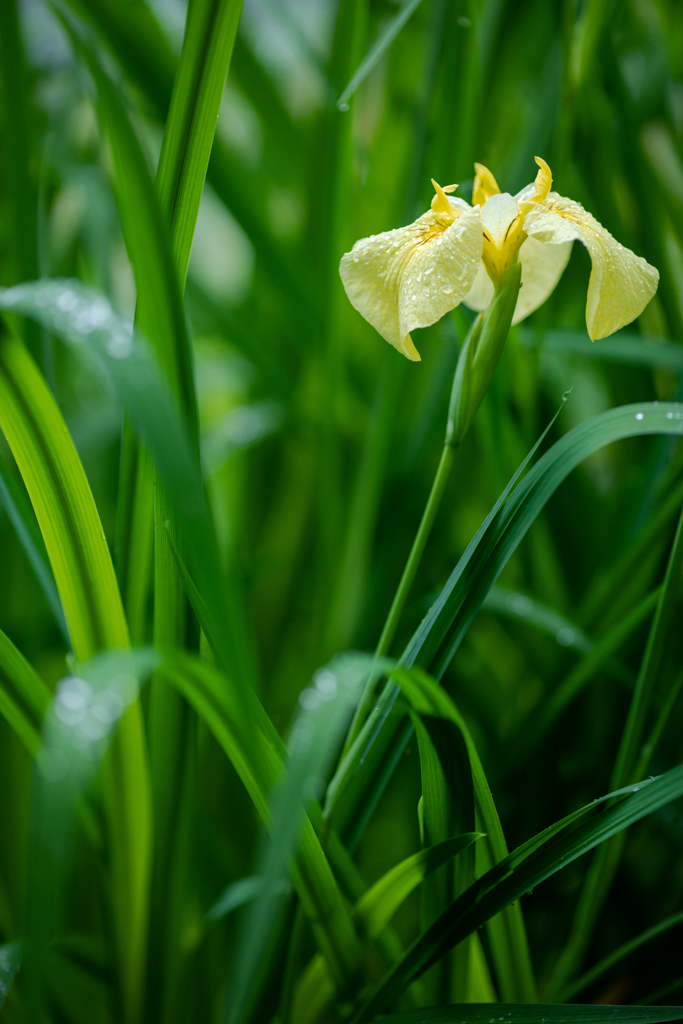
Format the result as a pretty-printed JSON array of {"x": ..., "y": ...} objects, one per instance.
[{"x": 303, "y": 711}]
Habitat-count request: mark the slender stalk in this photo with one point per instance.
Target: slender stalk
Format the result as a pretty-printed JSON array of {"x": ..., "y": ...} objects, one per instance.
[
  {"x": 604, "y": 865},
  {"x": 404, "y": 588}
]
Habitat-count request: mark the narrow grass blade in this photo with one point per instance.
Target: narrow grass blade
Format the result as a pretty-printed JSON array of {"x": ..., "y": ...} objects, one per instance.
[
  {"x": 191, "y": 123},
  {"x": 527, "y": 866},
  {"x": 10, "y": 960},
  {"x": 23, "y": 520},
  {"x": 78, "y": 728},
  {"x": 21, "y": 187},
  {"x": 622, "y": 347},
  {"x": 372, "y": 914},
  {"x": 439, "y": 636},
  {"x": 237, "y": 894},
  {"x": 601, "y": 873},
  {"x": 619, "y": 954},
  {"x": 356, "y": 766},
  {"x": 139, "y": 46},
  {"x": 257, "y": 753},
  {"x": 377, "y": 51},
  {"x": 62, "y": 502},
  {"x": 24, "y": 697},
  {"x": 575, "y": 682},
  {"x": 541, "y": 1013},
  {"x": 447, "y": 808},
  {"x": 324, "y": 710},
  {"x": 88, "y": 322},
  {"x": 382, "y": 900},
  {"x": 85, "y": 579},
  {"x": 506, "y": 932},
  {"x": 523, "y": 608}
]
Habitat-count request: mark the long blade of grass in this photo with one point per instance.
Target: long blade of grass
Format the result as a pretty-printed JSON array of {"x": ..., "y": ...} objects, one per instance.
[
  {"x": 77, "y": 731},
  {"x": 324, "y": 709},
  {"x": 527, "y": 866},
  {"x": 87, "y": 321},
  {"x": 622, "y": 347},
  {"x": 447, "y": 808},
  {"x": 20, "y": 182},
  {"x": 521, "y": 607},
  {"x": 24, "y": 697},
  {"x": 604, "y": 866},
  {"x": 507, "y": 934},
  {"x": 257, "y": 754},
  {"x": 372, "y": 914},
  {"x": 75, "y": 543},
  {"x": 575, "y": 682},
  {"x": 23, "y": 519},
  {"x": 139, "y": 46},
  {"x": 377, "y": 50},
  {"x": 542, "y": 1013},
  {"x": 615, "y": 957}
]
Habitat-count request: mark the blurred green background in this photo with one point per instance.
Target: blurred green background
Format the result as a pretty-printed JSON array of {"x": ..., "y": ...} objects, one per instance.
[{"x": 320, "y": 442}]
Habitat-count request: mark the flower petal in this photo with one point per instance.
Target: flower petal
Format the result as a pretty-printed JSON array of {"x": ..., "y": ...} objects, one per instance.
[
  {"x": 621, "y": 283},
  {"x": 542, "y": 267},
  {"x": 409, "y": 278}
]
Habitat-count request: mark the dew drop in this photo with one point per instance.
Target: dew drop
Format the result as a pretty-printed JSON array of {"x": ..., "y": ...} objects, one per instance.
[{"x": 640, "y": 416}]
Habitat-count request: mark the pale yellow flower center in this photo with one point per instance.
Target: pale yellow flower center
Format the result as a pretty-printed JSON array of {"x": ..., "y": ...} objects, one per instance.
[{"x": 502, "y": 217}]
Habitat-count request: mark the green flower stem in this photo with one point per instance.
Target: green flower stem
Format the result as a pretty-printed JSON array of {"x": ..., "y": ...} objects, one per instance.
[
  {"x": 629, "y": 759},
  {"x": 479, "y": 356},
  {"x": 404, "y": 588}
]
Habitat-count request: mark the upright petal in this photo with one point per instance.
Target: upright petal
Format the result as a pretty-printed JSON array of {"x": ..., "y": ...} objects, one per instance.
[
  {"x": 621, "y": 283},
  {"x": 542, "y": 267},
  {"x": 409, "y": 278}
]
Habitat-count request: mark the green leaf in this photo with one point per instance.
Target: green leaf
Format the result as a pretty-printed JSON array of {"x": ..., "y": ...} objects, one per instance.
[
  {"x": 10, "y": 959},
  {"x": 622, "y": 347},
  {"x": 506, "y": 932},
  {"x": 618, "y": 954},
  {"x": 376, "y": 908},
  {"x": 24, "y": 697},
  {"x": 534, "y": 861},
  {"x": 536, "y": 726},
  {"x": 372, "y": 913},
  {"x": 88, "y": 707},
  {"x": 87, "y": 321},
  {"x": 76, "y": 546},
  {"x": 324, "y": 710},
  {"x": 548, "y": 1013},
  {"x": 377, "y": 51},
  {"x": 257, "y": 753},
  {"x": 23, "y": 520},
  {"x": 523, "y": 607},
  {"x": 191, "y": 123},
  {"x": 62, "y": 501},
  {"x": 447, "y": 808},
  {"x": 237, "y": 894}
]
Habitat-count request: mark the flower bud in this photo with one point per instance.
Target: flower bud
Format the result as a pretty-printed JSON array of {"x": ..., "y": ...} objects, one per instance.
[{"x": 479, "y": 355}]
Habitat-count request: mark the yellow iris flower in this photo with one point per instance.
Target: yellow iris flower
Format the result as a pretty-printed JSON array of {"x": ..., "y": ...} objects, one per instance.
[{"x": 409, "y": 278}]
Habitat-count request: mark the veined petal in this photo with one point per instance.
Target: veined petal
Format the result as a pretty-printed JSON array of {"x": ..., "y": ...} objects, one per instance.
[
  {"x": 409, "y": 278},
  {"x": 542, "y": 267},
  {"x": 621, "y": 283}
]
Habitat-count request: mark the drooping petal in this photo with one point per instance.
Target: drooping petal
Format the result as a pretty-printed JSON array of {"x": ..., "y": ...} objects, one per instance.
[
  {"x": 621, "y": 283},
  {"x": 411, "y": 277},
  {"x": 542, "y": 267}
]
